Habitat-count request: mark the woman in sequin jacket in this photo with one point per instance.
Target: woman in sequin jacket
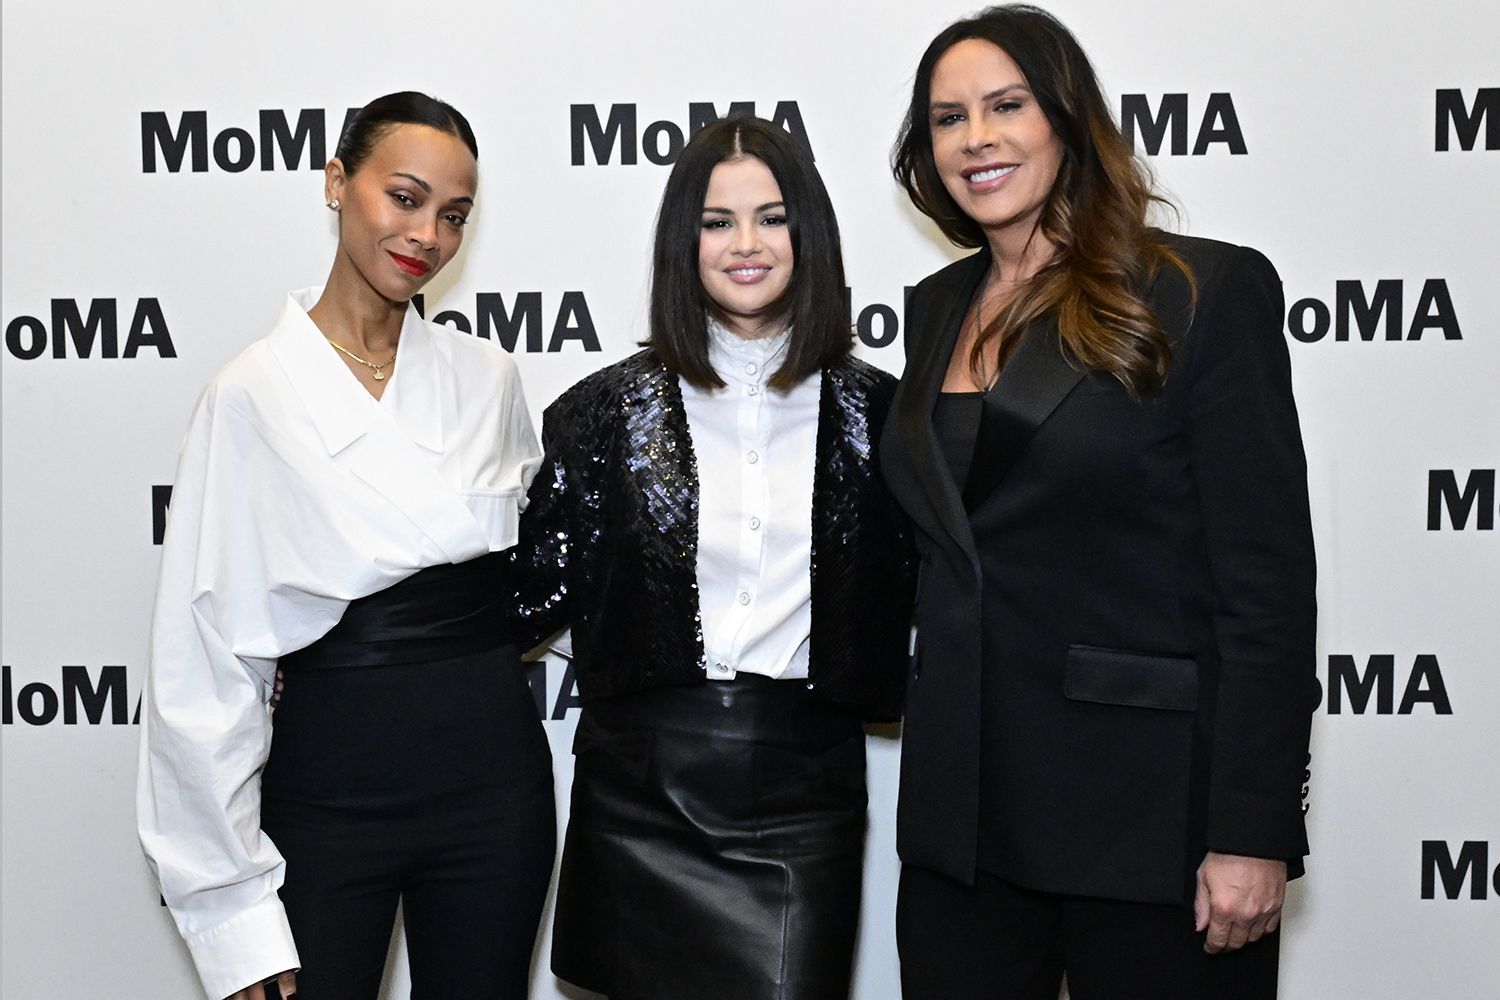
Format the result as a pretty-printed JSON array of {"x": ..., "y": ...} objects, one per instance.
[{"x": 711, "y": 523}]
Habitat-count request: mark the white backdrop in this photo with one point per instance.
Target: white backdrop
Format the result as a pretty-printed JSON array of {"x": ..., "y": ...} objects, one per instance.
[{"x": 1352, "y": 174}]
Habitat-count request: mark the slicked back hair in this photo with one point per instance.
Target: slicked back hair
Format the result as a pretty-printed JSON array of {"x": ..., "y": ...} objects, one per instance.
[{"x": 408, "y": 107}]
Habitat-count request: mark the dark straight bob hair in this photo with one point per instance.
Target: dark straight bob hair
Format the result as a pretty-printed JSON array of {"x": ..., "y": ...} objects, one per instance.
[
  {"x": 814, "y": 303},
  {"x": 371, "y": 122}
]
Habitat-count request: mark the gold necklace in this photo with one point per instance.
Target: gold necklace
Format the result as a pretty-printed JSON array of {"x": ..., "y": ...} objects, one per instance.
[{"x": 379, "y": 375}]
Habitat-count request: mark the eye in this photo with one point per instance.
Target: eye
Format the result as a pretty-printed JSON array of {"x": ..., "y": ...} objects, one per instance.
[
  {"x": 403, "y": 199},
  {"x": 1006, "y": 106},
  {"x": 457, "y": 221},
  {"x": 944, "y": 120},
  {"x": 715, "y": 223},
  {"x": 773, "y": 220}
]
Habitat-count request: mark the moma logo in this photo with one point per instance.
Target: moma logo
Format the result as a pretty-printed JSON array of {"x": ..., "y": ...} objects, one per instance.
[
  {"x": 877, "y": 324},
  {"x": 1474, "y": 500},
  {"x": 521, "y": 325},
  {"x": 1168, "y": 120},
  {"x": 277, "y": 139},
  {"x": 1372, "y": 690},
  {"x": 89, "y": 325},
  {"x": 600, "y": 137},
  {"x": 1375, "y": 312},
  {"x": 1470, "y": 867},
  {"x": 78, "y": 697},
  {"x": 1457, "y": 119}
]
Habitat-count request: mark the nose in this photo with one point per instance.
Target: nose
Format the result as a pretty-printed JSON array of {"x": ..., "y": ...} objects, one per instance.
[
  {"x": 423, "y": 231},
  {"x": 977, "y": 134},
  {"x": 746, "y": 240}
]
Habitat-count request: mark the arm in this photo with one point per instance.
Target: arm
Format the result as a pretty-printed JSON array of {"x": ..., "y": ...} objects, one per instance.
[
  {"x": 1245, "y": 447},
  {"x": 205, "y": 736},
  {"x": 559, "y": 530}
]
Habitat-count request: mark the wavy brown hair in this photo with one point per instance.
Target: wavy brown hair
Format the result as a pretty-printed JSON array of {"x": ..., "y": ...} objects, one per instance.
[{"x": 1095, "y": 215}]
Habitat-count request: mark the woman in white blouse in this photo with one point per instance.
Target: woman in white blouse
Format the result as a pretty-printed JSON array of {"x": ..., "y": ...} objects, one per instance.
[
  {"x": 344, "y": 492},
  {"x": 711, "y": 522}
]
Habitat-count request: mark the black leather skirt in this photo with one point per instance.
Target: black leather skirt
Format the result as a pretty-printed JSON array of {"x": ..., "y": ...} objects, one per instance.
[{"x": 714, "y": 847}]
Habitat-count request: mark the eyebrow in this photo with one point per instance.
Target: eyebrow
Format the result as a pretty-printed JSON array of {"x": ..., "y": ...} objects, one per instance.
[
  {"x": 759, "y": 208},
  {"x": 419, "y": 182},
  {"x": 986, "y": 98}
]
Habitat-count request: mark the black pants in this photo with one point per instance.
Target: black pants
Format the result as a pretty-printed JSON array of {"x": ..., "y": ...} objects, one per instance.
[
  {"x": 998, "y": 941},
  {"x": 412, "y": 769}
]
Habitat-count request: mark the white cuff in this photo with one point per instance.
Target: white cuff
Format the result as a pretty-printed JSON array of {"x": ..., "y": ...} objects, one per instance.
[{"x": 250, "y": 947}]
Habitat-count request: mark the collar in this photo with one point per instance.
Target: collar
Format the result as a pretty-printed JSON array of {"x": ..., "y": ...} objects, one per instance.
[
  {"x": 739, "y": 359},
  {"x": 341, "y": 408}
]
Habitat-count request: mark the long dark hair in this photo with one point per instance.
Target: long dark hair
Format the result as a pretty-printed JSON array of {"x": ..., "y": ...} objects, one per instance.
[
  {"x": 370, "y": 124},
  {"x": 814, "y": 302},
  {"x": 1095, "y": 215}
]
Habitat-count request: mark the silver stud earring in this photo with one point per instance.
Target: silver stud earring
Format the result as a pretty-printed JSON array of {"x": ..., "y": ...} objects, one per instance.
[{"x": 334, "y": 204}]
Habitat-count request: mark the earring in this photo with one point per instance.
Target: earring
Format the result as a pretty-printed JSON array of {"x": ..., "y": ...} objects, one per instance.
[{"x": 334, "y": 204}]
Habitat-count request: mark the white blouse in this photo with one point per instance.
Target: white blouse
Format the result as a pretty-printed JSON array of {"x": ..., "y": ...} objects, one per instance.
[
  {"x": 756, "y": 449},
  {"x": 296, "y": 493}
]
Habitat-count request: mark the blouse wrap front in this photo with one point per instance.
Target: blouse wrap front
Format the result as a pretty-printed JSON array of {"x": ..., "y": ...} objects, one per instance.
[{"x": 296, "y": 493}]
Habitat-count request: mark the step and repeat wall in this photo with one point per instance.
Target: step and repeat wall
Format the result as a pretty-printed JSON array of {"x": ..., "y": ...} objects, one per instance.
[{"x": 162, "y": 193}]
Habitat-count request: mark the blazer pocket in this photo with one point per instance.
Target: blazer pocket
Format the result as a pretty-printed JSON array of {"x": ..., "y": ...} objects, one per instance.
[{"x": 1139, "y": 680}]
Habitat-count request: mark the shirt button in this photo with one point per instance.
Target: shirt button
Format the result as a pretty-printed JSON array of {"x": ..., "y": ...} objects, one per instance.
[
  {"x": 744, "y": 598},
  {"x": 721, "y": 667},
  {"x": 752, "y": 458},
  {"x": 753, "y": 389},
  {"x": 751, "y": 368},
  {"x": 754, "y": 523}
]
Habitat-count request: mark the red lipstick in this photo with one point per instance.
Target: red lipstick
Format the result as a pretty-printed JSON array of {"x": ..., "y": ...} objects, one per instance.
[{"x": 411, "y": 265}]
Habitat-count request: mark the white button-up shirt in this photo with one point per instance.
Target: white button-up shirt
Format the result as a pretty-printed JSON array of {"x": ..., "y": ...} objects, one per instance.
[
  {"x": 296, "y": 493},
  {"x": 756, "y": 450}
]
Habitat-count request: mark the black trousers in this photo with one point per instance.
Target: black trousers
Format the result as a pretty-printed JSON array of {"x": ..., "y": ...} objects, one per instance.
[
  {"x": 999, "y": 941},
  {"x": 408, "y": 764}
]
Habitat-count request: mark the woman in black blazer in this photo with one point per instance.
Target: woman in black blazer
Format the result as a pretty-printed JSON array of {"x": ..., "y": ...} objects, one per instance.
[{"x": 1107, "y": 723}]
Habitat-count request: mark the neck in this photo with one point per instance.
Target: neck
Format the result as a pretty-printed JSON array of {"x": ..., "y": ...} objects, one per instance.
[
  {"x": 351, "y": 313},
  {"x": 1019, "y": 255},
  {"x": 751, "y": 327}
]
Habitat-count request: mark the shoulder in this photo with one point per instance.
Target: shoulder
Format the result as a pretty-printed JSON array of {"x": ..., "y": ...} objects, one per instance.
[
  {"x": 951, "y": 276},
  {"x": 243, "y": 382},
  {"x": 605, "y": 389},
  {"x": 1214, "y": 263},
  {"x": 469, "y": 354},
  {"x": 855, "y": 376}
]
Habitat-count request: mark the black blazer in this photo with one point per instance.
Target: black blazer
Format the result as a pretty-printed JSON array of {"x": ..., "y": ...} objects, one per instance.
[
  {"x": 609, "y": 539},
  {"x": 1115, "y": 654}
]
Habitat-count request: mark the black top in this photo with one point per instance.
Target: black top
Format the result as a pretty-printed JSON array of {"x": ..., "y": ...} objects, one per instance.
[{"x": 955, "y": 418}]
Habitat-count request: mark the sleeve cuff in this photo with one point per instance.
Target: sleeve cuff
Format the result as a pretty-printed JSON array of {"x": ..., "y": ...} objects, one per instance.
[{"x": 251, "y": 947}]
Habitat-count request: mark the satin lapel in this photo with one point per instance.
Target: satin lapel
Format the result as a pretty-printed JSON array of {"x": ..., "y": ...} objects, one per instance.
[
  {"x": 929, "y": 493},
  {"x": 1033, "y": 382}
]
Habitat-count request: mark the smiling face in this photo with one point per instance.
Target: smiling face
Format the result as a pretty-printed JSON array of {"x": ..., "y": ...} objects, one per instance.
[
  {"x": 402, "y": 213},
  {"x": 745, "y": 248},
  {"x": 993, "y": 147}
]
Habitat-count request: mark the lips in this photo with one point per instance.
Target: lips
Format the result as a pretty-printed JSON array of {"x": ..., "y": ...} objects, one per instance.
[
  {"x": 747, "y": 274},
  {"x": 411, "y": 265},
  {"x": 989, "y": 176}
]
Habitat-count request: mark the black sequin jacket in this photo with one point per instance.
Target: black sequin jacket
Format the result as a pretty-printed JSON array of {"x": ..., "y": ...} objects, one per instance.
[{"x": 608, "y": 541}]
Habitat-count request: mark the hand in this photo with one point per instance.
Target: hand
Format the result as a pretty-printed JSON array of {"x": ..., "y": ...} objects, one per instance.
[
  {"x": 285, "y": 981},
  {"x": 1238, "y": 900}
]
